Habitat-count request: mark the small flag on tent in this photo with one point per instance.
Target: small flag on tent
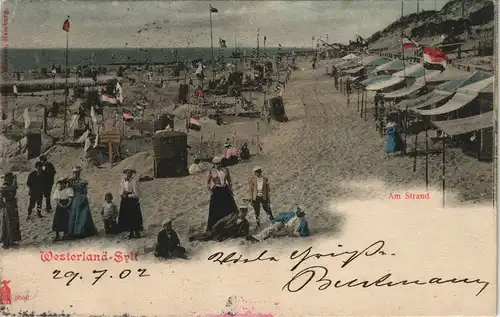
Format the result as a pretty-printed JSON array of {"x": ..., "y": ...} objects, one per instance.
[
  {"x": 66, "y": 25},
  {"x": 408, "y": 43},
  {"x": 193, "y": 123},
  {"x": 213, "y": 10},
  {"x": 128, "y": 115},
  {"x": 434, "y": 59},
  {"x": 222, "y": 43}
]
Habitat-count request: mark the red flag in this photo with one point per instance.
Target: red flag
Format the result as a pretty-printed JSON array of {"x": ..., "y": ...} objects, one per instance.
[
  {"x": 434, "y": 59},
  {"x": 408, "y": 42},
  {"x": 66, "y": 25}
]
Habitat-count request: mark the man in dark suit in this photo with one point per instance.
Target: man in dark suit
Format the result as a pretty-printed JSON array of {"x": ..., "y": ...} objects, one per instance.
[{"x": 48, "y": 173}]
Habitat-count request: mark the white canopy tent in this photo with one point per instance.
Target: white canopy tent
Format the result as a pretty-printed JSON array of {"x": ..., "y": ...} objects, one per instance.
[
  {"x": 418, "y": 84},
  {"x": 463, "y": 96},
  {"x": 466, "y": 125},
  {"x": 350, "y": 57}
]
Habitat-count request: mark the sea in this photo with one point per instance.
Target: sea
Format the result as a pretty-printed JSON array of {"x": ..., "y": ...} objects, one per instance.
[{"x": 36, "y": 59}]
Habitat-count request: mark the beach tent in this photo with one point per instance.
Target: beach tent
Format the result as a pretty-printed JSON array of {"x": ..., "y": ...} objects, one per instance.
[
  {"x": 378, "y": 62},
  {"x": 354, "y": 70},
  {"x": 350, "y": 57},
  {"x": 415, "y": 70},
  {"x": 418, "y": 84},
  {"x": 466, "y": 125},
  {"x": 442, "y": 92},
  {"x": 463, "y": 96},
  {"x": 375, "y": 79},
  {"x": 450, "y": 74},
  {"x": 391, "y": 66}
]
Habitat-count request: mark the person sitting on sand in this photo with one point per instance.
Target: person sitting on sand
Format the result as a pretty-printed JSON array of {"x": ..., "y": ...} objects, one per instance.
[
  {"x": 219, "y": 184},
  {"x": 234, "y": 225},
  {"x": 168, "y": 244},
  {"x": 291, "y": 223},
  {"x": 245, "y": 152},
  {"x": 195, "y": 167}
]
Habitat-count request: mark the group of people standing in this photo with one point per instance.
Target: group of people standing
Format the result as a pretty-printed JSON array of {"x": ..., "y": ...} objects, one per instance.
[{"x": 72, "y": 218}]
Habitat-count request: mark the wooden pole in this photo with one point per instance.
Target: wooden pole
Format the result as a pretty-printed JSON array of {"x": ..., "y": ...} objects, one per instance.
[
  {"x": 362, "y": 102},
  {"x": 426, "y": 154},
  {"x": 444, "y": 168},
  {"x": 405, "y": 129},
  {"x": 110, "y": 151},
  {"x": 366, "y": 104},
  {"x": 358, "y": 100},
  {"x": 258, "y": 138},
  {"x": 415, "y": 153}
]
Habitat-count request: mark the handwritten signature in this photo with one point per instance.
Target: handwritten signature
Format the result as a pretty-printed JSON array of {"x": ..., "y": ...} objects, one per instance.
[
  {"x": 302, "y": 256},
  {"x": 296, "y": 284}
]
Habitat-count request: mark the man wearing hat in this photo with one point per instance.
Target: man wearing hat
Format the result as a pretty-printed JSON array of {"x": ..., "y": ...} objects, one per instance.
[
  {"x": 48, "y": 173},
  {"x": 35, "y": 184},
  {"x": 291, "y": 223},
  {"x": 259, "y": 194}
]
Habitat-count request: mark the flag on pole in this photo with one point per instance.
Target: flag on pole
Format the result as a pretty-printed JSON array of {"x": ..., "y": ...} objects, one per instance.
[
  {"x": 222, "y": 43},
  {"x": 213, "y": 10},
  {"x": 66, "y": 25},
  {"x": 193, "y": 123},
  {"x": 434, "y": 59},
  {"x": 408, "y": 43}
]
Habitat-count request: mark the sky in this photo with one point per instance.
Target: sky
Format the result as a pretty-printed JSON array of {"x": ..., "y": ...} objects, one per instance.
[{"x": 115, "y": 24}]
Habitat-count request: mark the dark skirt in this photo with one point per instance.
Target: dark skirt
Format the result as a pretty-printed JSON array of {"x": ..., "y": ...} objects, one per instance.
[
  {"x": 60, "y": 223},
  {"x": 130, "y": 215},
  {"x": 9, "y": 223},
  {"x": 221, "y": 204}
]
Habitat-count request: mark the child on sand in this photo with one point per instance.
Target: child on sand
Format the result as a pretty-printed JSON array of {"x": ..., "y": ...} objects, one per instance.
[{"x": 109, "y": 213}]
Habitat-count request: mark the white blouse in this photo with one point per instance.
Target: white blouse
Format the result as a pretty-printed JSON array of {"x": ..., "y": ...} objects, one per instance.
[
  {"x": 63, "y": 194},
  {"x": 129, "y": 186}
]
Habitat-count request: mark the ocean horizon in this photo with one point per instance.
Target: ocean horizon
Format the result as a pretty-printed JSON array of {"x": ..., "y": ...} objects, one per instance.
[{"x": 30, "y": 58}]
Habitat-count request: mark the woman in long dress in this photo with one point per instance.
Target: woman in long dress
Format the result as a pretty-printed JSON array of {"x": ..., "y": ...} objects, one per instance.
[
  {"x": 130, "y": 215},
  {"x": 81, "y": 224},
  {"x": 63, "y": 197},
  {"x": 219, "y": 184},
  {"x": 10, "y": 233}
]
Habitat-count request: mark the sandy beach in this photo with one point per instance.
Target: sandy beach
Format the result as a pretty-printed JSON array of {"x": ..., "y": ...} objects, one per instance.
[{"x": 308, "y": 160}]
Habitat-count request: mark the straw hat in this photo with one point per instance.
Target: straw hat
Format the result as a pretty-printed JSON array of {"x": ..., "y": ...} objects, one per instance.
[
  {"x": 217, "y": 160},
  {"x": 257, "y": 168},
  {"x": 166, "y": 221}
]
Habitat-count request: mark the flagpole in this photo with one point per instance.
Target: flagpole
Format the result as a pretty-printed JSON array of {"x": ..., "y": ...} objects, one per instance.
[
  {"x": 66, "y": 87},
  {"x": 212, "y": 43}
]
